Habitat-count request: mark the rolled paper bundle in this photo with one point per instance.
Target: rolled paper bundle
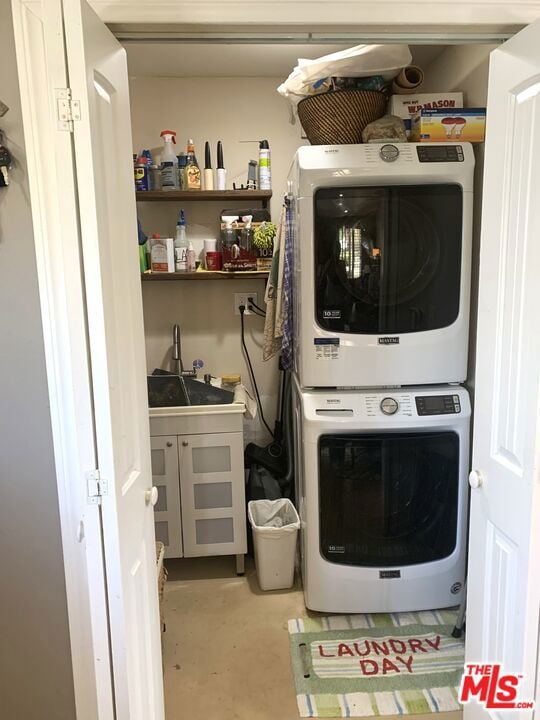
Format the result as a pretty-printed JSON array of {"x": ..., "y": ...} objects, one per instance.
[{"x": 408, "y": 80}]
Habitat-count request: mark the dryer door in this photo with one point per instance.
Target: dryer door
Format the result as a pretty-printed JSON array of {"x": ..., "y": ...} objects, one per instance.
[
  {"x": 388, "y": 259},
  {"x": 388, "y": 499}
]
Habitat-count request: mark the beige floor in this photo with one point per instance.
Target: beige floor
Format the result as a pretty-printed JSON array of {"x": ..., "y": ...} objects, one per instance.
[{"x": 226, "y": 648}]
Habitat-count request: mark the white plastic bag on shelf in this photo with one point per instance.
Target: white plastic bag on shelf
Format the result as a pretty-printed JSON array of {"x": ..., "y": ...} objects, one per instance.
[{"x": 358, "y": 61}]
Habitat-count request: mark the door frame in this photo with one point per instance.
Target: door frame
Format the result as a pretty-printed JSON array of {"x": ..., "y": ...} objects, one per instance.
[
  {"x": 480, "y": 16},
  {"x": 38, "y": 32},
  {"x": 61, "y": 292}
]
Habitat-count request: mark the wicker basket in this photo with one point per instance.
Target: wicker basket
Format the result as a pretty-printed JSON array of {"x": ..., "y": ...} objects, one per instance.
[
  {"x": 162, "y": 579},
  {"x": 338, "y": 118}
]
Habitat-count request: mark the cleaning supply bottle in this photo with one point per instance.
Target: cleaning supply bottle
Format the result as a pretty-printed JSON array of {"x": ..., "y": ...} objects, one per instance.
[
  {"x": 154, "y": 181},
  {"x": 190, "y": 257},
  {"x": 265, "y": 171},
  {"x": 169, "y": 162},
  {"x": 192, "y": 171},
  {"x": 180, "y": 244},
  {"x": 182, "y": 170}
]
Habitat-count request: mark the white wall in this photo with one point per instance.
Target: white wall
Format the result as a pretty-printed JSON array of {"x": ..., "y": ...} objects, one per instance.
[
  {"x": 35, "y": 656},
  {"x": 230, "y": 110},
  {"x": 465, "y": 67}
]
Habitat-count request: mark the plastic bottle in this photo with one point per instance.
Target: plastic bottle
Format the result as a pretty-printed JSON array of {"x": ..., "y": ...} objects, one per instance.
[
  {"x": 228, "y": 234},
  {"x": 265, "y": 168},
  {"x": 182, "y": 170},
  {"x": 192, "y": 173},
  {"x": 246, "y": 236},
  {"x": 190, "y": 257},
  {"x": 169, "y": 163},
  {"x": 180, "y": 244}
]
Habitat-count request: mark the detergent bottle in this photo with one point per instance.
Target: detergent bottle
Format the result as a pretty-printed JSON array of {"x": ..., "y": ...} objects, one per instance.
[{"x": 169, "y": 162}]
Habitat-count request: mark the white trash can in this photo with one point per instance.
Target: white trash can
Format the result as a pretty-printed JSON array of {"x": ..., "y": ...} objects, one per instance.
[{"x": 275, "y": 525}]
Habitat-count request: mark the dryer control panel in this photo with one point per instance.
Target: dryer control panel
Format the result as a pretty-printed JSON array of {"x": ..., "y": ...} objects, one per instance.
[
  {"x": 437, "y": 404},
  {"x": 394, "y": 403}
]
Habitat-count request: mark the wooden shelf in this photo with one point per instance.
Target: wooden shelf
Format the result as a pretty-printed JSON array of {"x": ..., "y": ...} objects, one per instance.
[
  {"x": 201, "y": 195},
  {"x": 207, "y": 275}
]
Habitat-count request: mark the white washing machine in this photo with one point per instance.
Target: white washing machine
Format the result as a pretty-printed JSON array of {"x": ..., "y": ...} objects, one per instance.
[
  {"x": 382, "y": 494},
  {"x": 382, "y": 254}
]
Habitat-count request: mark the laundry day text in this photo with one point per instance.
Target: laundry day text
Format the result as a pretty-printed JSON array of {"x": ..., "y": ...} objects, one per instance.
[{"x": 392, "y": 655}]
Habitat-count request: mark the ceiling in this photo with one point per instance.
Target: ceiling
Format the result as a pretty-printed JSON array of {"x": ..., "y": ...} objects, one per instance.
[{"x": 182, "y": 59}]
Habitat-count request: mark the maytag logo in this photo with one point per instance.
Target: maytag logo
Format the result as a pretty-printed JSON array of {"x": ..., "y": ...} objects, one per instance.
[
  {"x": 389, "y": 574},
  {"x": 388, "y": 340},
  {"x": 333, "y": 402},
  {"x": 332, "y": 150}
]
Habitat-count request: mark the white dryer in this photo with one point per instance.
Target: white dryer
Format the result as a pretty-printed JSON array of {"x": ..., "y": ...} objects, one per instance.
[
  {"x": 382, "y": 494},
  {"x": 382, "y": 254}
]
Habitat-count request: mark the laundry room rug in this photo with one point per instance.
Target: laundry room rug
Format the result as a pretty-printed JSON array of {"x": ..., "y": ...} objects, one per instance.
[{"x": 383, "y": 664}]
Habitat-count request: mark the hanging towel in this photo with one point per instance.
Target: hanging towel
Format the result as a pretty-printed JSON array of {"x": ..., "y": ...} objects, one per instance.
[
  {"x": 273, "y": 295},
  {"x": 287, "y": 360}
]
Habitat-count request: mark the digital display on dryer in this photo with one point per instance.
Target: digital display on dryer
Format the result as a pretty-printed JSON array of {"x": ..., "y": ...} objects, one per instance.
[
  {"x": 440, "y": 153},
  {"x": 438, "y": 405}
]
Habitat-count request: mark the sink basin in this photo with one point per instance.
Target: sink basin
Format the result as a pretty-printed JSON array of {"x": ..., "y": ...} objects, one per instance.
[{"x": 165, "y": 390}]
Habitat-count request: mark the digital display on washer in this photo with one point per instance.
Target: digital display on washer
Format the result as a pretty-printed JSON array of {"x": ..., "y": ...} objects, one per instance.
[
  {"x": 440, "y": 153},
  {"x": 438, "y": 404}
]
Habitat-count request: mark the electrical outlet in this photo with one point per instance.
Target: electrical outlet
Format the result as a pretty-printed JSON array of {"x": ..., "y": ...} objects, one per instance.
[{"x": 242, "y": 299}]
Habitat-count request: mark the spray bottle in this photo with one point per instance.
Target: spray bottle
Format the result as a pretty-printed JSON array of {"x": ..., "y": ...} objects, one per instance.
[{"x": 169, "y": 162}]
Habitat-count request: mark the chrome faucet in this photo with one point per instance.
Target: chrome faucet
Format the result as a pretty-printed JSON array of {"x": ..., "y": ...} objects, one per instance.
[{"x": 177, "y": 355}]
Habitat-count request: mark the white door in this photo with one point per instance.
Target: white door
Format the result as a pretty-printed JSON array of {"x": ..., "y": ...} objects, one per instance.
[
  {"x": 504, "y": 578},
  {"x": 98, "y": 79}
]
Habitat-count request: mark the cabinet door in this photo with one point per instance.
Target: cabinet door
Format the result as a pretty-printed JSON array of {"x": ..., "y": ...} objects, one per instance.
[
  {"x": 167, "y": 513},
  {"x": 213, "y": 494}
]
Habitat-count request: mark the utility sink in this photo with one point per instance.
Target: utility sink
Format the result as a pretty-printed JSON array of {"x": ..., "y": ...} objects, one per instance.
[{"x": 167, "y": 390}]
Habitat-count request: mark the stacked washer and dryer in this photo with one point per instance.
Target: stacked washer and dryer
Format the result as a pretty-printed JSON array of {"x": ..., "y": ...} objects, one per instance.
[{"x": 382, "y": 251}]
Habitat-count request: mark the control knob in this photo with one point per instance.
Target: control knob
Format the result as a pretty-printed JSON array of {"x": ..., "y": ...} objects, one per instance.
[{"x": 389, "y": 406}]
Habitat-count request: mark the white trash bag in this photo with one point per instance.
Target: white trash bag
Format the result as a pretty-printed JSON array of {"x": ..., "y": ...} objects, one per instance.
[
  {"x": 275, "y": 525},
  {"x": 358, "y": 61}
]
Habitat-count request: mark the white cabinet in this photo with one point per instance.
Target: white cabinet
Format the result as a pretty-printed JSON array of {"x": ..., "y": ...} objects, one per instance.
[
  {"x": 213, "y": 494},
  {"x": 198, "y": 469},
  {"x": 167, "y": 517}
]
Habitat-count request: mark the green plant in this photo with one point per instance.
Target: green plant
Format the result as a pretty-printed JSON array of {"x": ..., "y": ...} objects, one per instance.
[{"x": 264, "y": 234}]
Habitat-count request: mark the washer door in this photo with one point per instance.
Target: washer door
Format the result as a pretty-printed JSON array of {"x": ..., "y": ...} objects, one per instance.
[
  {"x": 388, "y": 259},
  {"x": 388, "y": 500}
]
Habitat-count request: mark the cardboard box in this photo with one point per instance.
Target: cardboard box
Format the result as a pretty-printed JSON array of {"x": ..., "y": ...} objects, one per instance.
[
  {"x": 458, "y": 125},
  {"x": 405, "y": 106}
]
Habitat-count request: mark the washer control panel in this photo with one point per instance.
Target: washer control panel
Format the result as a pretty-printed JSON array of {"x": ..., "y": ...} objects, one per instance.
[
  {"x": 397, "y": 404},
  {"x": 437, "y": 404}
]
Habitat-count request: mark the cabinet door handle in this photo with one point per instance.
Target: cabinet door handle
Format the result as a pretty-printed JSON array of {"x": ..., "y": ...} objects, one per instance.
[
  {"x": 185, "y": 443},
  {"x": 169, "y": 443}
]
